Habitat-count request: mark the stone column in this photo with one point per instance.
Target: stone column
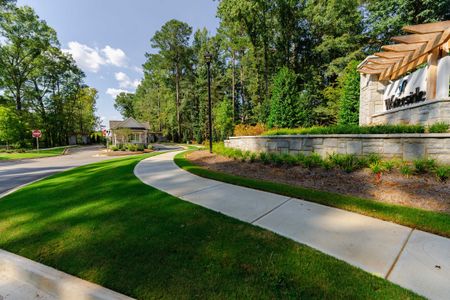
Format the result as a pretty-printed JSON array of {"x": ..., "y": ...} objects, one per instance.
[{"x": 371, "y": 98}]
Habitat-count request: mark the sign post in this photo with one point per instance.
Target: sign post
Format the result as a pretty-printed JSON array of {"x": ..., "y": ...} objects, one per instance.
[
  {"x": 104, "y": 133},
  {"x": 37, "y": 134}
]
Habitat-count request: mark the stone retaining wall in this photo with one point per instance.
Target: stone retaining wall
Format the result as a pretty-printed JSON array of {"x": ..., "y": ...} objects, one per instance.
[
  {"x": 426, "y": 113},
  {"x": 403, "y": 146}
]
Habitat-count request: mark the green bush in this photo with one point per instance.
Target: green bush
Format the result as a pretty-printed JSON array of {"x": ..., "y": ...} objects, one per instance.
[
  {"x": 349, "y": 98},
  {"x": 346, "y": 162},
  {"x": 388, "y": 165},
  {"x": 424, "y": 165},
  {"x": 150, "y": 147},
  {"x": 377, "y": 167},
  {"x": 406, "y": 170},
  {"x": 349, "y": 129},
  {"x": 288, "y": 107},
  {"x": 253, "y": 157},
  {"x": 140, "y": 147},
  {"x": 264, "y": 157},
  {"x": 114, "y": 148},
  {"x": 439, "y": 127},
  {"x": 442, "y": 173}
]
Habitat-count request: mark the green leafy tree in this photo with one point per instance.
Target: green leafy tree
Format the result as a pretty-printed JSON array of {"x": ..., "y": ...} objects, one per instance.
[
  {"x": 287, "y": 109},
  {"x": 26, "y": 39},
  {"x": 11, "y": 128},
  {"x": 386, "y": 18},
  {"x": 173, "y": 44},
  {"x": 349, "y": 99},
  {"x": 124, "y": 103},
  {"x": 223, "y": 119}
]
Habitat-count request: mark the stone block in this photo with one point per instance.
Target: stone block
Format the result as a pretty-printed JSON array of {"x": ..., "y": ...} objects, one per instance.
[
  {"x": 354, "y": 147},
  {"x": 272, "y": 146},
  {"x": 330, "y": 142},
  {"x": 294, "y": 152},
  {"x": 284, "y": 150},
  {"x": 317, "y": 141},
  {"x": 296, "y": 144},
  {"x": 413, "y": 151},
  {"x": 392, "y": 147}
]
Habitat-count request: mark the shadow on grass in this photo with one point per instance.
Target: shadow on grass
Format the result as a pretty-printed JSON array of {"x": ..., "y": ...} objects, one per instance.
[{"x": 100, "y": 223}]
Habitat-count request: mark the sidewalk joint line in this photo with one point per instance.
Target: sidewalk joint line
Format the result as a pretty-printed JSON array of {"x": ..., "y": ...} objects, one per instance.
[
  {"x": 265, "y": 214},
  {"x": 200, "y": 190},
  {"x": 399, "y": 254}
]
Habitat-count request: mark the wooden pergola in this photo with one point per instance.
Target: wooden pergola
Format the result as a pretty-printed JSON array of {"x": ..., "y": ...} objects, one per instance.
[{"x": 426, "y": 43}]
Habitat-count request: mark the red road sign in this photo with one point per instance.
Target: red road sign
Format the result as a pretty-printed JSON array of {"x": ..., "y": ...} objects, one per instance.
[{"x": 36, "y": 133}]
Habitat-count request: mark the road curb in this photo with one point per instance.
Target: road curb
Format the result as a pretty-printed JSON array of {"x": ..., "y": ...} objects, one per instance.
[{"x": 53, "y": 282}]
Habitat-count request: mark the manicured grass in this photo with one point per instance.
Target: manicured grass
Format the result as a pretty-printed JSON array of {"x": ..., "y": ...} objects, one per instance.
[
  {"x": 99, "y": 222},
  {"x": 32, "y": 154},
  {"x": 434, "y": 222}
]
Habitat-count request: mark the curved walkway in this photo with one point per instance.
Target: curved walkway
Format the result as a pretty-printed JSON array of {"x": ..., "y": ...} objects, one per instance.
[{"x": 413, "y": 259}]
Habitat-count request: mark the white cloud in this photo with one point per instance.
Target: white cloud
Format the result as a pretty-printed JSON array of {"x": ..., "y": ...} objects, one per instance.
[
  {"x": 125, "y": 81},
  {"x": 114, "y": 92},
  {"x": 91, "y": 59},
  {"x": 86, "y": 57},
  {"x": 115, "y": 57}
]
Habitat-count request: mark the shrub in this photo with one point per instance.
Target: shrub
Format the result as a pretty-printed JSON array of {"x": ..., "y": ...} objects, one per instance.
[
  {"x": 349, "y": 129},
  {"x": 439, "y": 127},
  {"x": 405, "y": 170},
  {"x": 288, "y": 105},
  {"x": 253, "y": 157},
  {"x": 377, "y": 167},
  {"x": 114, "y": 148},
  {"x": 150, "y": 147},
  {"x": 249, "y": 130},
  {"x": 245, "y": 156},
  {"x": 442, "y": 173},
  {"x": 346, "y": 162},
  {"x": 424, "y": 165},
  {"x": 264, "y": 157},
  {"x": 313, "y": 160},
  {"x": 388, "y": 165},
  {"x": 349, "y": 98},
  {"x": 140, "y": 147}
]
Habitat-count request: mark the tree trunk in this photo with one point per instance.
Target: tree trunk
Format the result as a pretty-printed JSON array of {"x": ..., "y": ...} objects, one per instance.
[
  {"x": 177, "y": 87},
  {"x": 18, "y": 100},
  {"x": 242, "y": 94},
  {"x": 233, "y": 84}
]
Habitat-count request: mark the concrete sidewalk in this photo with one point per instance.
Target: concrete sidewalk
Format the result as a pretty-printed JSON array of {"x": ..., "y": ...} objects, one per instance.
[{"x": 416, "y": 260}]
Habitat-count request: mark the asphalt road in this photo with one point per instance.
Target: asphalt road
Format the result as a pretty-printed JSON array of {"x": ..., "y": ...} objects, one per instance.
[{"x": 19, "y": 172}]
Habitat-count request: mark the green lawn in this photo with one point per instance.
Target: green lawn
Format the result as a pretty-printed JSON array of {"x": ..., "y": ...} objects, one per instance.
[
  {"x": 99, "y": 222},
  {"x": 434, "y": 222},
  {"x": 32, "y": 154}
]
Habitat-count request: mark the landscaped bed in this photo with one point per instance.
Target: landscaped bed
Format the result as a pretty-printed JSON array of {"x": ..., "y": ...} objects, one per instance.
[
  {"x": 100, "y": 223},
  {"x": 333, "y": 188},
  {"x": 422, "y": 191}
]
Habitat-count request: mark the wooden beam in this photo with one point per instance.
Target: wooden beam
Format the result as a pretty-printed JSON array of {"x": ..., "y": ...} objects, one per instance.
[
  {"x": 428, "y": 28},
  {"x": 432, "y": 73},
  {"x": 417, "y": 38},
  {"x": 376, "y": 66},
  {"x": 410, "y": 66},
  {"x": 392, "y": 54},
  {"x": 403, "y": 47},
  {"x": 369, "y": 71},
  {"x": 384, "y": 61}
]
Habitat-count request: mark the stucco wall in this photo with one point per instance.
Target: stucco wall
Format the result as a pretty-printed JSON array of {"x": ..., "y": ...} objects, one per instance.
[{"x": 404, "y": 146}]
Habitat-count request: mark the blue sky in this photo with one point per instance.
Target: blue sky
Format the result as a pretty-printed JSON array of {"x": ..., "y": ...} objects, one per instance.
[{"x": 109, "y": 38}]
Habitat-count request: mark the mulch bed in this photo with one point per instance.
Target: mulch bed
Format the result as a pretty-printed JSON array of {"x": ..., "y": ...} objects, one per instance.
[{"x": 423, "y": 191}]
